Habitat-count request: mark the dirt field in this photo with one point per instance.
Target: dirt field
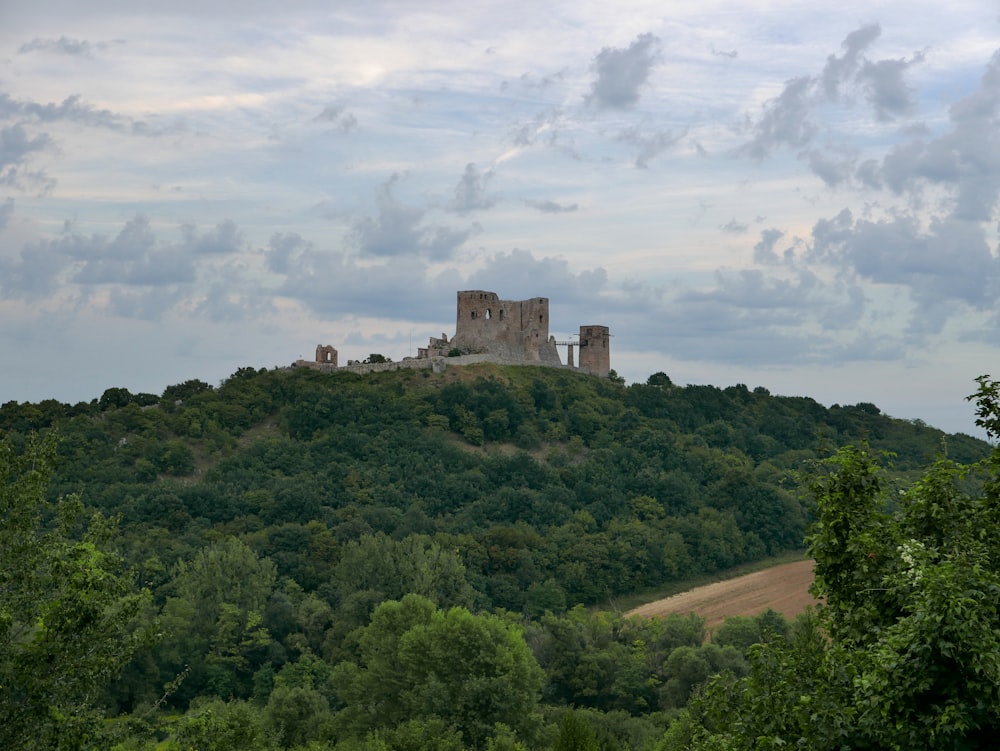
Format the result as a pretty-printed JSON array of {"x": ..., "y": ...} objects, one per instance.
[{"x": 782, "y": 588}]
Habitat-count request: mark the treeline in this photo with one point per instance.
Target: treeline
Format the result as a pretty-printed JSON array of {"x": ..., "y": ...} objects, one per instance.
[{"x": 318, "y": 549}]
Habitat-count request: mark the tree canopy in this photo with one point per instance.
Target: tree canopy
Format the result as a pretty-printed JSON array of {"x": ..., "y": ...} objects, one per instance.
[
  {"x": 68, "y": 610},
  {"x": 410, "y": 560},
  {"x": 905, "y": 650}
]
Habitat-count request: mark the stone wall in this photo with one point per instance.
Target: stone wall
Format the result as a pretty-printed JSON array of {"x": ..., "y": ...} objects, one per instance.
[{"x": 436, "y": 364}]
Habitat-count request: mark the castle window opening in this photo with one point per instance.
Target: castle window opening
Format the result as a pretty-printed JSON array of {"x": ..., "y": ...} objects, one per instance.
[
  {"x": 489, "y": 314},
  {"x": 501, "y": 314},
  {"x": 473, "y": 315}
]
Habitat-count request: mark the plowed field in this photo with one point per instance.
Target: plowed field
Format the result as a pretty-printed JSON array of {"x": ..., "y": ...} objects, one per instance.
[{"x": 783, "y": 588}]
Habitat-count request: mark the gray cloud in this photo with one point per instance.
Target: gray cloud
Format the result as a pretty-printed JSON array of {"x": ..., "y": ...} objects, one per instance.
[
  {"x": 224, "y": 303},
  {"x": 71, "y": 109},
  {"x": 869, "y": 174},
  {"x": 225, "y": 239},
  {"x": 333, "y": 283},
  {"x": 6, "y": 212},
  {"x": 734, "y": 227},
  {"x": 146, "y": 304},
  {"x": 832, "y": 170},
  {"x": 752, "y": 318},
  {"x": 530, "y": 81},
  {"x": 621, "y": 73},
  {"x": 789, "y": 121},
  {"x": 542, "y": 127},
  {"x": 550, "y": 207},
  {"x": 470, "y": 193},
  {"x": 947, "y": 263},
  {"x": 399, "y": 230},
  {"x": 519, "y": 275},
  {"x": 16, "y": 146},
  {"x": 66, "y": 46},
  {"x": 785, "y": 122},
  {"x": 280, "y": 249},
  {"x": 650, "y": 145},
  {"x": 133, "y": 257},
  {"x": 34, "y": 274},
  {"x": 885, "y": 88},
  {"x": 745, "y": 318},
  {"x": 966, "y": 158},
  {"x": 839, "y": 70},
  {"x": 763, "y": 251},
  {"x": 779, "y": 299},
  {"x": 337, "y": 115}
]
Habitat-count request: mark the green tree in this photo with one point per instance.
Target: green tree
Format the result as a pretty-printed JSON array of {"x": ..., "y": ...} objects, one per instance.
[
  {"x": 216, "y": 725},
  {"x": 575, "y": 734},
  {"x": 68, "y": 612},
  {"x": 183, "y": 391},
  {"x": 297, "y": 715},
  {"x": 906, "y": 650},
  {"x": 377, "y": 568},
  {"x": 215, "y": 623},
  {"x": 743, "y": 631},
  {"x": 419, "y": 663},
  {"x": 113, "y": 398}
]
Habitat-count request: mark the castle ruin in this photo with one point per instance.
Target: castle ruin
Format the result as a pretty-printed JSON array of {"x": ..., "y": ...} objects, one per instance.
[
  {"x": 488, "y": 329},
  {"x": 516, "y": 330}
]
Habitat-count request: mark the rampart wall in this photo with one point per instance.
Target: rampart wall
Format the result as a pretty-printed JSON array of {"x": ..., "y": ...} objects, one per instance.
[{"x": 440, "y": 364}]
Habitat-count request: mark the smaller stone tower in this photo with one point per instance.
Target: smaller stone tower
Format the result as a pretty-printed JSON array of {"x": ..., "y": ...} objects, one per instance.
[
  {"x": 595, "y": 350},
  {"x": 326, "y": 355}
]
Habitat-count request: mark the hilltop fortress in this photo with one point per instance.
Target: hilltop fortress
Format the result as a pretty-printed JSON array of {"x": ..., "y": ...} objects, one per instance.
[{"x": 488, "y": 329}]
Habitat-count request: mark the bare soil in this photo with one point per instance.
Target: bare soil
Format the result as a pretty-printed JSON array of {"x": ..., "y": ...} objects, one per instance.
[{"x": 783, "y": 588}]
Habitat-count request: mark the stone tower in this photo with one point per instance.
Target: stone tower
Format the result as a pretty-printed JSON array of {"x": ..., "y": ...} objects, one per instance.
[
  {"x": 517, "y": 330},
  {"x": 595, "y": 350},
  {"x": 326, "y": 355}
]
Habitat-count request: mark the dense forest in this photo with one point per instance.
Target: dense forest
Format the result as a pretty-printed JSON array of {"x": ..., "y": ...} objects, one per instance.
[{"x": 409, "y": 560}]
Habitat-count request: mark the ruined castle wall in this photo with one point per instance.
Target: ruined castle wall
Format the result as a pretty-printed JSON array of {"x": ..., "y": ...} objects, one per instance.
[
  {"x": 322, "y": 367},
  {"x": 517, "y": 330},
  {"x": 437, "y": 364}
]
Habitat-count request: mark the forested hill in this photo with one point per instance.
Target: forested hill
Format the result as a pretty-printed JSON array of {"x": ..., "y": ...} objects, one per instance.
[
  {"x": 554, "y": 487},
  {"x": 317, "y": 558}
]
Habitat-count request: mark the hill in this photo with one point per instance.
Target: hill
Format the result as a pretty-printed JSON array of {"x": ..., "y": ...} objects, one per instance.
[
  {"x": 533, "y": 474},
  {"x": 277, "y": 517}
]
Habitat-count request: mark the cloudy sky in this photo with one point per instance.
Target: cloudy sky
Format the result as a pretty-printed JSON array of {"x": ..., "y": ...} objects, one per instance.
[{"x": 800, "y": 195}]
